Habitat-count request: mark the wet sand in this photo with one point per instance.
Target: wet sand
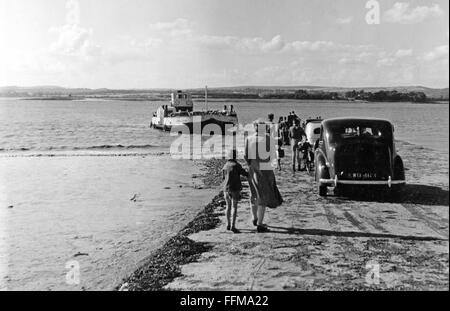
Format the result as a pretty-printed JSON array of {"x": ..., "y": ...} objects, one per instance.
[
  {"x": 329, "y": 243},
  {"x": 105, "y": 212}
]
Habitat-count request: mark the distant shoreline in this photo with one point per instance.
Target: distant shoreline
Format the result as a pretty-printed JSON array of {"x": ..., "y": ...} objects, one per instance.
[
  {"x": 213, "y": 99},
  {"x": 418, "y": 94}
]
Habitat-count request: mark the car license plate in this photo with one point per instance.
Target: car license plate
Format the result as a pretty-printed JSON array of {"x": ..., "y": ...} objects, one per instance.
[{"x": 362, "y": 175}]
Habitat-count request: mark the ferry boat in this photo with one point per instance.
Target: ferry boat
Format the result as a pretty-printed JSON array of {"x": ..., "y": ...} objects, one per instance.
[{"x": 180, "y": 113}]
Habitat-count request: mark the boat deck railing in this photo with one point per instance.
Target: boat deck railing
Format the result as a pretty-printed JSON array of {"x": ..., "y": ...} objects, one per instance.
[{"x": 202, "y": 113}]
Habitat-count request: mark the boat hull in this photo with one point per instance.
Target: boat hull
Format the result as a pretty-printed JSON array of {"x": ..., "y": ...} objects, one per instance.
[{"x": 206, "y": 125}]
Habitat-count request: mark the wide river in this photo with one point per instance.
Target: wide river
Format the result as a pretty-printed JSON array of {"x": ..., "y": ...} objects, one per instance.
[{"x": 68, "y": 170}]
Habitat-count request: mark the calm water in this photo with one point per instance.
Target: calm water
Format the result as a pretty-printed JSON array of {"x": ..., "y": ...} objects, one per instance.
[
  {"x": 73, "y": 207},
  {"x": 99, "y": 125},
  {"x": 421, "y": 124}
]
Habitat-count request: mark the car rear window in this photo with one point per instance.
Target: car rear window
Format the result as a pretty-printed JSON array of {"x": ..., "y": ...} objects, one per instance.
[{"x": 344, "y": 132}]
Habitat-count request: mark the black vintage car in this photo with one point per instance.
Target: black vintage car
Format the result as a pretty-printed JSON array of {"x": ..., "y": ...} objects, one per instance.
[{"x": 358, "y": 152}]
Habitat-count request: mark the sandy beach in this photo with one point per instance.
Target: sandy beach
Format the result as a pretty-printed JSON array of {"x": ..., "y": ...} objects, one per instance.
[
  {"x": 104, "y": 212},
  {"x": 317, "y": 243}
]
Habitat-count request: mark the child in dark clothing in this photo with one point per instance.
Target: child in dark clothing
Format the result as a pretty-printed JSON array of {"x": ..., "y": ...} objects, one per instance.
[{"x": 232, "y": 172}]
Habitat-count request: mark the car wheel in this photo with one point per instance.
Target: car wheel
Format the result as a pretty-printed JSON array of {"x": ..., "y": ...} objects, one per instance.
[
  {"x": 322, "y": 189},
  {"x": 399, "y": 174},
  {"x": 339, "y": 191},
  {"x": 399, "y": 170}
]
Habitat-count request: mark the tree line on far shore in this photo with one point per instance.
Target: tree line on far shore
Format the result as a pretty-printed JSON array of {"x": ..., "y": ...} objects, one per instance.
[
  {"x": 360, "y": 95},
  {"x": 247, "y": 93},
  {"x": 392, "y": 96}
]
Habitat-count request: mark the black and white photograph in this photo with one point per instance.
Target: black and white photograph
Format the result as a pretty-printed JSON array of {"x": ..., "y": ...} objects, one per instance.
[{"x": 246, "y": 146}]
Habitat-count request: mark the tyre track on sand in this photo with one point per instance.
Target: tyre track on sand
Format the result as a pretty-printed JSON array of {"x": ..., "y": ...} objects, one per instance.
[{"x": 415, "y": 211}]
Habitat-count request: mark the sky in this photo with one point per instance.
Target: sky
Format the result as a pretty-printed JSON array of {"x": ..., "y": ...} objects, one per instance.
[{"x": 193, "y": 43}]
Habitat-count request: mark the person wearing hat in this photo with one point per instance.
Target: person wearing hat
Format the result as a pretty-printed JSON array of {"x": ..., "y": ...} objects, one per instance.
[
  {"x": 294, "y": 117},
  {"x": 260, "y": 155},
  {"x": 290, "y": 119}
]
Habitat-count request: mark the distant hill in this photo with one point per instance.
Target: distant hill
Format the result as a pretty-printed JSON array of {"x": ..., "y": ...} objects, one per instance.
[{"x": 49, "y": 90}]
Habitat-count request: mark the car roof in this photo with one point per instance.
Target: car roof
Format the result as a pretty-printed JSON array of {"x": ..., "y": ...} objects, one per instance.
[
  {"x": 313, "y": 124},
  {"x": 313, "y": 121},
  {"x": 347, "y": 120}
]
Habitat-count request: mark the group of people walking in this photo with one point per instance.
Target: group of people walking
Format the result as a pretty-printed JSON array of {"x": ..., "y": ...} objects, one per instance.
[
  {"x": 262, "y": 149},
  {"x": 290, "y": 132}
]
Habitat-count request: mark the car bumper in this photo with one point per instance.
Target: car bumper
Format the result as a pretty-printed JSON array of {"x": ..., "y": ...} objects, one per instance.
[{"x": 389, "y": 182}]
